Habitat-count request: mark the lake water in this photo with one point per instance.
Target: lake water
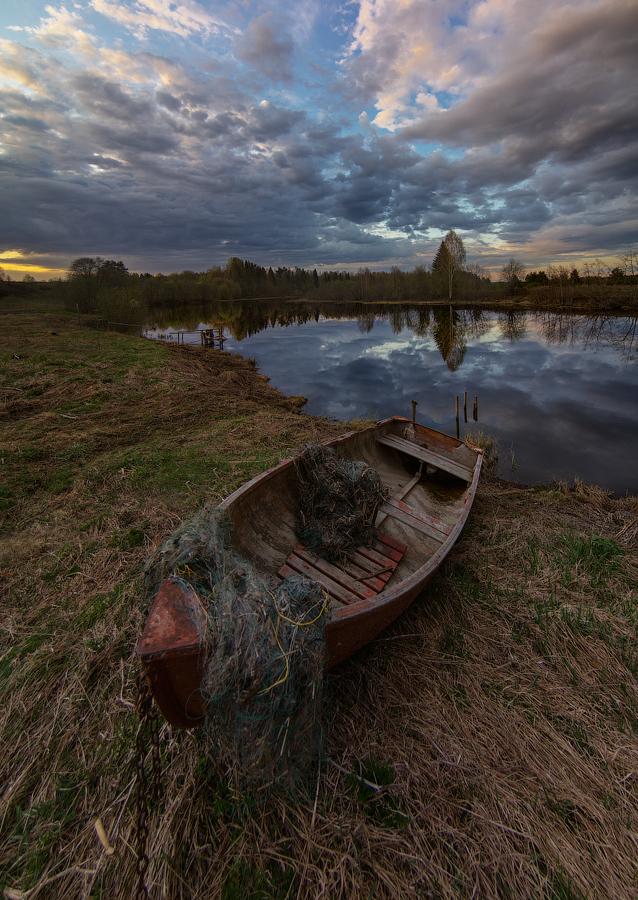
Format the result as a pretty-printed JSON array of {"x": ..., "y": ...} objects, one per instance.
[{"x": 559, "y": 393}]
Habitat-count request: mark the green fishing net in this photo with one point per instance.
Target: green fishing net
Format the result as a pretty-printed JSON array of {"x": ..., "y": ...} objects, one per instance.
[
  {"x": 263, "y": 679},
  {"x": 338, "y": 502}
]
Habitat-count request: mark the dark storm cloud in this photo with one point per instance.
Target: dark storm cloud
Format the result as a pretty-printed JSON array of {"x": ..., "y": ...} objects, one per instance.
[
  {"x": 267, "y": 47},
  {"x": 127, "y": 138},
  {"x": 270, "y": 122},
  {"x": 26, "y": 122},
  {"x": 557, "y": 90},
  {"x": 100, "y": 97},
  {"x": 168, "y": 101}
]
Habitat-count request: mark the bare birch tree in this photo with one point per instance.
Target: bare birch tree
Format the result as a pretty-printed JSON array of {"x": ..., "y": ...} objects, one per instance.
[{"x": 450, "y": 259}]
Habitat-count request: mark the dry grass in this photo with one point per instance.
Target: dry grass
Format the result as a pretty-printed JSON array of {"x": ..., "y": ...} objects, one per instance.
[{"x": 498, "y": 717}]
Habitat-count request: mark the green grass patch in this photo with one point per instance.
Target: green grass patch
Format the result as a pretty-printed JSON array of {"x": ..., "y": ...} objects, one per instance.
[
  {"x": 370, "y": 781},
  {"x": 19, "y": 650},
  {"x": 533, "y": 557},
  {"x": 128, "y": 539},
  {"x": 561, "y": 887},
  {"x": 575, "y": 732},
  {"x": 452, "y": 640},
  {"x": 39, "y": 827},
  {"x": 73, "y": 452},
  {"x": 97, "y": 607},
  {"x": 595, "y": 557},
  {"x": 61, "y": 480},
  {"x": 565, "y": 809},
  {"x": 252, "y": 882},
  {"x": 172, "y": 468},
  {"x": 62, "y": 564}
]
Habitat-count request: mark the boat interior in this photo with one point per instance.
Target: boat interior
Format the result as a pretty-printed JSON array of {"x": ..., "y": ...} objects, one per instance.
[{"x": 428, "y": 476}]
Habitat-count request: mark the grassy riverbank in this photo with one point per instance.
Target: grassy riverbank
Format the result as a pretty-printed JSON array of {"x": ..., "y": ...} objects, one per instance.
[
  {"x": 591, "y": 299},
  {"x": 500, "y": 715}
]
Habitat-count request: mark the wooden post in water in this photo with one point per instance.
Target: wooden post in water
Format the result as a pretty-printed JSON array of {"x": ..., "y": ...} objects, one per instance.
[
  {"x": 458, "y": 426},
  {"x": 465, "y": 405},
  {"x": 414, "y": 404},
  {"x": 475, "y": 409}
]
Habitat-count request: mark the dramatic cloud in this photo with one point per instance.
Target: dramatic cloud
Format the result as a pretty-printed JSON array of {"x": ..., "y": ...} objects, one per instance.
[
  {"x": 174, "y": 134},
  {"x": 268, "y": 48}
]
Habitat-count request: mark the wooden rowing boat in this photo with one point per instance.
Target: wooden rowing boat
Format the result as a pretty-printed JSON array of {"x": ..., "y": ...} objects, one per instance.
[{"x": 432, "y": 480}]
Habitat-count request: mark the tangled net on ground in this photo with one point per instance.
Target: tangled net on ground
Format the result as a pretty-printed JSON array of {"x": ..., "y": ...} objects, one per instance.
[
  {"x": 339, "y": 502},
  {"x": 263, "y": 678}
]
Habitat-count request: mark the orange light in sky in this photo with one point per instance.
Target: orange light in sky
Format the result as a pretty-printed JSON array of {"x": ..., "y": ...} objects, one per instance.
[{"x": 32, "y": 269}]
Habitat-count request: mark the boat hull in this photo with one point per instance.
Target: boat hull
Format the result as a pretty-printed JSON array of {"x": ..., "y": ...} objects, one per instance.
[
  {"x": 344, "y": 637},
  {"x": 174, "y": 654}
]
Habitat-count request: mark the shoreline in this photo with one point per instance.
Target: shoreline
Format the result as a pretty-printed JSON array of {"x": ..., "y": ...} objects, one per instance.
[
  {"x": 502, "y": 708},
  {"x": 526, "y": 303},
  {"x": 576, "y": 308}
]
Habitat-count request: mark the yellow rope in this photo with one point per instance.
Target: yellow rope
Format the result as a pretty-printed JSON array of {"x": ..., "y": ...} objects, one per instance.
[
  {"x": 286, "y": 672},
  {"x": 284, "y": 676},
  {"x": 305, "y": 624}
]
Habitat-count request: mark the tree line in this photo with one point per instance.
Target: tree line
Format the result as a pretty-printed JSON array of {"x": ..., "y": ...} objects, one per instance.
[{"x": 107, "y": 288}]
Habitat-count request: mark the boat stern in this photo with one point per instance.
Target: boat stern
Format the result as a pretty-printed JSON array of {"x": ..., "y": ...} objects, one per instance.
[{"x": 172, "y": 649}]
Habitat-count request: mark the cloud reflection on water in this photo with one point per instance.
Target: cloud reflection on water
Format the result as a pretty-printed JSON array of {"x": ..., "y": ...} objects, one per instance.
[{"x": 559, "y": 393}]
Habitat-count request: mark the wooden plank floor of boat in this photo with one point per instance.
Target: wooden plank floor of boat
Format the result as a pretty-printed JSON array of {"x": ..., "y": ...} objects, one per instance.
[{"x": 363, "y": 573}]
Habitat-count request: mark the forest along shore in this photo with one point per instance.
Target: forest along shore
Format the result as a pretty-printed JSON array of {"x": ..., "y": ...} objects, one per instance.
[
  {"x": 497, "y": 719},
  {"x": 105, "y": 287}
]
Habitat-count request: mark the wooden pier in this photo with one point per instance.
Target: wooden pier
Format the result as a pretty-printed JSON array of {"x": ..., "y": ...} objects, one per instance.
[{"x": 209, "y": 337}]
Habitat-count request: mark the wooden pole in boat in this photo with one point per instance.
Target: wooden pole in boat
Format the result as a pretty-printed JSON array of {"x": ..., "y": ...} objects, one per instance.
[
  {"x": 414, "y": 404},
  {"x": 465, "y": 405}
]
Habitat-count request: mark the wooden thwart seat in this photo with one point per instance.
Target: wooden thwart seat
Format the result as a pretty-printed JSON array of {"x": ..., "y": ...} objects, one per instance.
[
  {"x": 364, "y": 573},
  {"x": 426, "y": 455},
  {"x": 420, "y": 521}
]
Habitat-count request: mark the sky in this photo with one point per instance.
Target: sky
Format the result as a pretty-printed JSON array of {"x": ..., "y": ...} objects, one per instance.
[{"x": 173, "y": 134}]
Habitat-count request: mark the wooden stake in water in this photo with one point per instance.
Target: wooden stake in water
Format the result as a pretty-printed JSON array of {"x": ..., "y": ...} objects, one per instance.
[
  {"x": 414, "y": 405},
  {"x": 458, "y": 426},
  {"x": 475, "y": 410},
  {"x": 465, "y": 405}
]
